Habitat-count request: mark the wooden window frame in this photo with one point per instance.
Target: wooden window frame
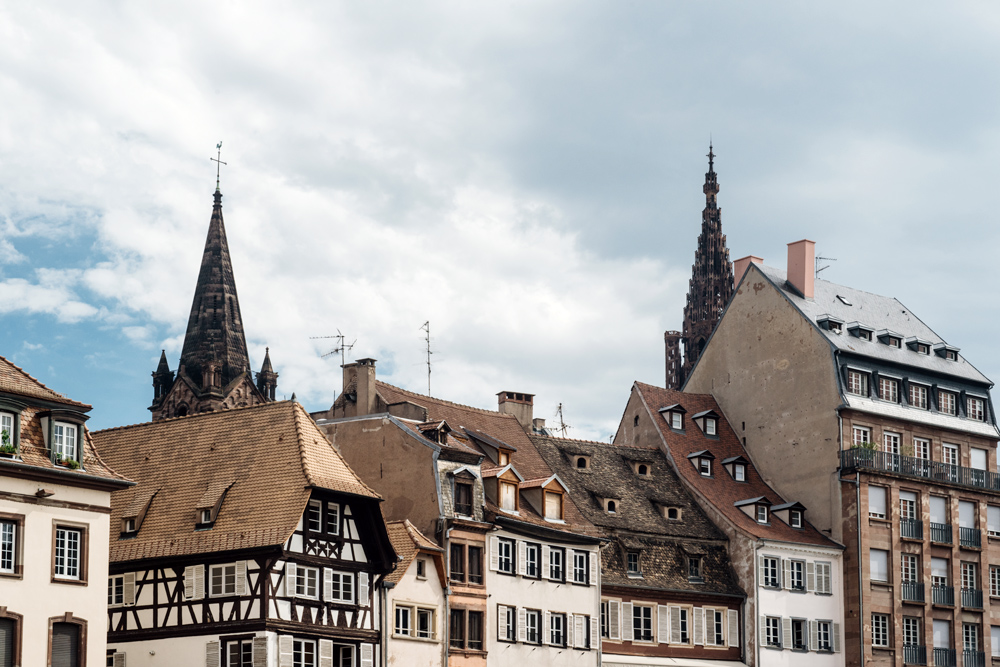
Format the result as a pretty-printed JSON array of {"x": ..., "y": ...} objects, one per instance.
[
  {"x": 68, "y": 617},
  {"x": 18, "y": 630},
  {"x": 18, "y": 521},
  {"x": 213, "y": 568},
  {"x": 545, "y": 505},
  {"x": 84, "y": 552}
]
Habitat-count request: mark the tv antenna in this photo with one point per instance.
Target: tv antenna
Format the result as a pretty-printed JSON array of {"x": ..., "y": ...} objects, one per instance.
[
  {"x": 427, "y": 327},
  {"x": 563, "y": 426},
  {"x": 823, "y": 259}
]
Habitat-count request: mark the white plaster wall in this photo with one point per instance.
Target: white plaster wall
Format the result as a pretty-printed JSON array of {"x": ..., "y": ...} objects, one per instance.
[
  {"x": 787, "y": 604},
  {"x": 34, "y": 596},
  {"x": 404, "y": 651},
  {"x": 517, "y": 591},
  {"x": 189, "y": 651}
]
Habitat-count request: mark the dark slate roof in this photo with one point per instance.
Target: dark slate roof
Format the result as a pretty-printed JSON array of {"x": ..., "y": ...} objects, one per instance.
[{"x": 664, "y": 565}]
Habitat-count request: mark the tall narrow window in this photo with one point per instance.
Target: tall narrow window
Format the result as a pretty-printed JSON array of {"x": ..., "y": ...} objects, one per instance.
[
  {"x": 68, "y": 552},
  {"x": 946, "y": 402},
  {"x": 908, "y": 569},
  {"x": 918, "y": 396},
  {"x": 857, "y": 383},
  {"x": 860, "y": 435},
  {"x": 65, "y": 648},
  {"x": 476, "y": 630},
  {"x": 880, "y": 630},
  {"x": 8, "y": 546},
  {"x": 949, "y": 454},
  {"x": 922, "y": 448},
  {"x": 475, "y": 565},
  {"x": 508, "y": 496},
  {"x": 64, "y": 441},
  {"x": 907, "y": 505},
  {"x": 553, "y": 506},
  {"x": 532, "y": 556},
  {"x": 877, "y": 502},
  {"x": 975, "y": 408},
  {"x": 456, "y": 628},
  {"x": 463, "y": 498},
  {"x": 890, "y": 442},
  {"x": 457, "y": 562},
  {"x": 911, "y": 631},
  {"x": 888, "y": 389},
  {"x": 879, "y": 561}
]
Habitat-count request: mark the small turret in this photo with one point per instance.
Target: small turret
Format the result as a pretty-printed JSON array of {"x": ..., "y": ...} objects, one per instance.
[
  {"x": 163, "y": 379},
  {"x": 267, "y": 379}
]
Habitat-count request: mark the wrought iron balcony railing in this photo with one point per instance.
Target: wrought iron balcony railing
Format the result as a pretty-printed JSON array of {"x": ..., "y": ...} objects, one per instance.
[
  {"x": 867, "y": 459},
  {"x": 973, "y": 659},
  {"x": 944, "y": 657},
  {"x": 912, "y": 529},
  {"x": 941, "y": 533},
  {"x": 970, "y": 537},
  {"x": 914, "y": 655},
  {"x": 913, "y": 591},
  {"x": 943, "y": 595},
  {"x": 972, "y": 598}
]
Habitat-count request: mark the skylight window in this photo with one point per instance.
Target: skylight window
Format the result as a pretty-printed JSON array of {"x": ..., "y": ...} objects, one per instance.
[{"x": 843, "y": 300}]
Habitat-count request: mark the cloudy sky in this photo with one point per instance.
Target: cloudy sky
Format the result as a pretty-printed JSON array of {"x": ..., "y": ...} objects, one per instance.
[{"x": 524, "y": 175}]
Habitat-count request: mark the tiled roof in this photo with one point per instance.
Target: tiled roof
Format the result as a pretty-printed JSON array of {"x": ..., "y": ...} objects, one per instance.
[
  {"x": 270, "y": 453},
  {"x": 875, "y": 312},
  {"x": 15, "y": 381},
  {"x": 721, "y": 490},
  {"x": 407, "y": 541},
  {"x": 664, "y": 565}
]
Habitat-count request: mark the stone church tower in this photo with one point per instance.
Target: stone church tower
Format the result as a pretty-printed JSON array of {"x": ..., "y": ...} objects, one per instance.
[
  {"x": 214, "y": 370},
  {"x": 709, "y": 289}
]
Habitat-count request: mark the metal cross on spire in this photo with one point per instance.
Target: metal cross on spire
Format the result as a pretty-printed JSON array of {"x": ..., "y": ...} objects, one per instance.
[
  {"x": 218, "y": 164},
  {"x": 711, "y": 156}
]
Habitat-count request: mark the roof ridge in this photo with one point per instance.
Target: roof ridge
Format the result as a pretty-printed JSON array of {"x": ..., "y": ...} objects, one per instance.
[
  {"x": 194, "y": 416},
  {"x": 594, "y": 442},
  {"x": 441, "y": 400},
  {"x": 41, "y": 384}
]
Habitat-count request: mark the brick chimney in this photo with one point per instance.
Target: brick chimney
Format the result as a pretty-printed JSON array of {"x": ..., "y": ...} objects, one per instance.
[
  {"x": 522, "y": 406},
  {"x": 802, "y": 267},
  {"x": 741, "y": 265},
  {"x": 362, "y": 373}
]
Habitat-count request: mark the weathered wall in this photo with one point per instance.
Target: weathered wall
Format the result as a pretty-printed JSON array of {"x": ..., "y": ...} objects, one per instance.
[{"x": 772, "y": 374}]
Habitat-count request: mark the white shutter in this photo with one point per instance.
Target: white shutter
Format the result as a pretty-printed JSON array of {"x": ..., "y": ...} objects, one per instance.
[
  {"x": 595, "y": 631},
  {"x": 761, "y": 576},
  {"x": 786, "y": 632},
  {"x": 581, "y": 631},
  {"x": 836, "y": 637},
  {"x": 260, "y": 652},
  {"x": 614, "y": 620},
  {"x": 118, "y": 659},
  {"x": 325, "y": 653},
  {"x": 522, "y": 631},
  {"x": 827, "y": 578},
  {"x": 544, "y": 568},
  {"x": 363, "y": 589},
  {"x": 494, "y": 553},
  {"x": 285, "y": 647},
  {"x": 627, "y": 623},
  {"x": 733, "y": 621},
  {"x": 699, "y": 625},
  {"x": 199, "y": 582},
  {"x": 367, "y": 655},
  {"x": 520, "y": 557},
  {"x": 290, "y": 579},
  {"x": 811, "y": 577},
  {"x": 663, "y": 624},
  {"x": 593, "y": 557},
  {"x": 129, "y": 589},
  {"x": 813, "y": 636},
  {"x": 675, "y": 625},
  {"x": 786, "y": 574},
  {"x": 502, "y": 622},
  {"x": 327, "y": 584},
  {"x": 546, "y": 627},
  {"x": 709, "y": 626},
  {"x": 189, "y": 582},
  {"x": 762, "y": 631},
  {"x": 212, "y": 654},
  {"x": 570, "y": 630},
  {"x": 241, "y": 577}
]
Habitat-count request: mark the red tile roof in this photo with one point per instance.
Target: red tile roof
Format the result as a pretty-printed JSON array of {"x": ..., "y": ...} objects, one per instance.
[{"x": 408, "y": 542}]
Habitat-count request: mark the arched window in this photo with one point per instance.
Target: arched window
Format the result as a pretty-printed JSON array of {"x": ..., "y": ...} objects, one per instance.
[
  {"x": 612, "y": 507},
  {"x": 581, "y": 462},
  {"x": 643, "y": 469}
]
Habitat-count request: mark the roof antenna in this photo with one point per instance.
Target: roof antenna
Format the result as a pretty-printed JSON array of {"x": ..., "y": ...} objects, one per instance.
[
  {"x": 218, "y": 164},
  {"x": 823, "y": 259},
  {"x": 340, "y": 349},
  {"x": 563, "y": 426},
  {"x": 427, "y": 327}
]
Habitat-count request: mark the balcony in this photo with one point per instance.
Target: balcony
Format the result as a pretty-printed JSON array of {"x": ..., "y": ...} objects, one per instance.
[
  {"x": 913, "y": 592},
  {"x": 970, "y": 537},
  {"x": 914, "y": 655},
  {"x": 944, "y": 657},
  {"x": 941, "y": 533},
  {"x": 972, "y": 598},
  {"x": 908, "y": 466},
  {"x": 911, "y": 529},
  {"x": 943, "y": 595},
  {"x": 973, "y": 659}
]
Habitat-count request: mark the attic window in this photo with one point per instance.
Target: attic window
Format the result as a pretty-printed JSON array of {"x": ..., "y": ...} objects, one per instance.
[
  {"x": 553, "y": 506},
  {"x": 421, "y": 568},
  {"x": 892, "y": 341},
  {"x": 508, "y": 496},
  {"x": 762, "y": 513},
  {"x": 128, "y": 525},
  {"x": 694, "y": 569},
  {"x": 710, "y": 426},
  {"x": 951, "y": 355},
  {"x": 632, "y": 564},
  {"x": 676, "y": 420},
  {"x": 865, "y": 335},
  {"x": 463, "y": 498},
  {"x": 635, "y": 421},
  {"x": 503, "y": 458},
  {"x": 674, "y": 414},
  {"x": 641, "y": 469},
  {"x": 582, "y": 462},
  {"x": 835, "y": 327},
  {"x": 795, "y": 518},
  {"x": 672, "y": 513},
  {"x": 739, "y": 472},
  {"x": 206, "y": 516},
  {"x": 923, "y": 348},
  {"x": 610, "y": 506},
  {"x": 705, "y": 467}
]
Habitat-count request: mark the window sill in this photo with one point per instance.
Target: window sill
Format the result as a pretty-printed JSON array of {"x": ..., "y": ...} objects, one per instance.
[
  {"x": 11, "y": 575},
  {"x": 71, "y": 582},
  {"x": 881, "y": 584},
  {"x": 425, "y": 640}
]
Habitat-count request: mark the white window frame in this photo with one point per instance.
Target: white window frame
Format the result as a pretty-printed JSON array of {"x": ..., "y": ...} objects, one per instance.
[
  {"x": 772, "y": 572},
  {"x": 8, "y": 422},
  {"x": 909, "y": 568},
  {"x": 403, "y": 620},
  {"x": 824, "y": 577},
  {"x": 970, "y": 574},
  {"x": 876, "y": 556},
  {"x": 922, "y": 449},
  {"x": 762, "y": 517},
  {"x": 911, "y": 631},
  {"x": 860, "y": 435},
  {"x": 430, "y": 614},
  {"x": 505, "y": 556},
  {"x": 220, "y": 573},
  {"x": 950, "y": 454},
  {"x": 532, "y": 626},
  {"x": 880, "y": 630},
  {"x": 581, "y": 566},
  {"x": 711, "y": 426},
  {"x": 857, "y": 382},
  {"x": 918, "y": 396},
  {"x": 824, "y": 632},
  {"x": 994, "y": 581},
  {"x": 676, "y": 421},
  {"x": 8, "y": 546},
  {"x": 314, "y": 517},
  {"x": 891, "y": 442},
  {"x": 301, "y": 650},
  {"x": 306, "y": 582},
  {"x": 795, "y": 518},
  {"x": 557, "y": 564},
  {"x": 642, "y": 623},
  {"x": 874, "y": 491},
  {"x": 970, "y": 636},
  {"x": 888, "y": 389},
  {"x": 630, "y": 557},
  {"x": 532, "y": 560},
  {"x": 340, "y": 592},
  {"x": 64, "y": 441},
  {"x": 116, "y": 590},
  {"x": 68, "y": 553},
  {"x": 797, "y": 571},
  {"x": 739, "y": 472},
  {"x": 557, "y": 629},
  {"x": 705, "y": 467},
  {"x": 333, "y": 518},
  {"x": 975, "y": 408},
  {"x": 947, "y": 402},
  {"x": 772, "y": 631}
]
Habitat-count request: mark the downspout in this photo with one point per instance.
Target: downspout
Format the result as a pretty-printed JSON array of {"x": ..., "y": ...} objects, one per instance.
[
  {"x": 756, "y": 599},
  {"x": 446, "y": 621},
  {"x": 857, "y": 510},
  {"x": 385, "y": 615}
]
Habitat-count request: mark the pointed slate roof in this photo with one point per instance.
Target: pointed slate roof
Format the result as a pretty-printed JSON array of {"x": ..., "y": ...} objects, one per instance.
[{"x": 215, "y": 326}]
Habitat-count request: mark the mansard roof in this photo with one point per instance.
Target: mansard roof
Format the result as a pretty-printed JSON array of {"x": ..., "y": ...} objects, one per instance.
[{"x": 270, "y": 457}]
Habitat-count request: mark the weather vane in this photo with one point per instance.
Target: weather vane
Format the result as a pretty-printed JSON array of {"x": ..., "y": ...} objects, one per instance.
[{"x": 218, "y": 163}]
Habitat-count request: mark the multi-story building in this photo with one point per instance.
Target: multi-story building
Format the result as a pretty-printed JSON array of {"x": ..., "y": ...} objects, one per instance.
[
  {"x": 247, "y": 541},
  {"x": 415, "y": 600},
  {"x": 792, "y": 572},
  {"x": 668, "y": 589},
  {"x": 848, "y": 401},
  {"x": 55, "y": 496}
]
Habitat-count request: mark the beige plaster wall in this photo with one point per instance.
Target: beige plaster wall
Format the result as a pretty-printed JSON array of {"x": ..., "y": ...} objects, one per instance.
[{"x": 427, "y": 593}]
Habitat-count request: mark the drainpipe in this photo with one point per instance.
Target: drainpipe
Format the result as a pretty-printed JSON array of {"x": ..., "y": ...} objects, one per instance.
[
  {"x": 385, "y": 615},
  {"x": 756, "y": 599},
  {"x": 446, "y": 621},
  {"x": 861, "y": 584}
]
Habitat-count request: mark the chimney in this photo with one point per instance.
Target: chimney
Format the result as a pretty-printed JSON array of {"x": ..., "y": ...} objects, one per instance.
[
  {"x": 741, "y": 265},
  {"x": 802, "y": 267},
  {"x": 522, "y": 406},
  {"x": 362, "y": 374}
]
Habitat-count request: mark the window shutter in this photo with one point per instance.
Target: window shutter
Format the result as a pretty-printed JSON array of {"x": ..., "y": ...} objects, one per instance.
[
  {"x": 836, "y": 637},
  {"x": 285, "y": 658},
  {"x": 663, "y": 624},
  {"x": 129, "y": 589},
  {"x": 675, "y": 625},
  {"x": 699, "y": 625},
  {"x": 581, "y": 631},
  {"x": 189, "y": 582},
  {"x": 762, "y": 631},
  {"x": 118, "y": 660},
  {"x": 544, "y": 568},
  {"x": 813, "y": 636},
  {"x": 733, "y": 621},
  {"x": 290, "y": 579},
  {"x": 786, "y": 573},
  {"x": 614, "y": 620},
  {"x": 520, "y": 557},
  {"x": 811, "y": 577},
  {"x": 786, "y": 632},
  {"x": 761, "y": 576},
  {"x": 325, "y": 653},
  {"x": 593, "y": 557},
  {"x": 522, "y": 631},
  {"x": 241, "y": 577},
  {"x": 502, "y": 622},
  {"x": 827, "y": 584},
  {"x": 627, "y": 628},
  {"x": 546, "y": 627},
  {"x": 570, "y": 630},
  {"x": 595, "y": 632},
  {"x": 363, "y": 589},
  {"x": 212, "y": 654},
  {"x": 199, "y": 582},
  {"x": 367, "y": 655},
  {"x": 709, "y": 626},
  {"x": 260, "y": 652},
  {"x": 494, "y": 553},
  {"x": 327, "y": 584}
]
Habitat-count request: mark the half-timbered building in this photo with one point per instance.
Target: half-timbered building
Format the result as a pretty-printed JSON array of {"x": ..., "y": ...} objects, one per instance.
[{"x": 247, "y": 541}]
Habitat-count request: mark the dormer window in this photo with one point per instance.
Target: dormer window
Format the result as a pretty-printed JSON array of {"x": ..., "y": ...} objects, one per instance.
[
  {"x": 64, "y": 439},
  {"x": 508, "y": 496},
  {"x": 946, "y": 402},
  {"x": 610, "y": 506},
  {"x": 632, "y": 564},
  {"x": 674, "y": 414},
  {"x": 582, "y": 462},
  {"x": 672, "y": 513},
  {"x": 503, "y": 458},
  {"x": 740, "y": 472},
  {"x": 8, "y": 433},
  {"x": 705, "y": 467},
  {"x": 830, "y": 323},
  {"x": 128, "y": 526},
  {"x": 761, "y": 513},
  {"x": 923, "y": 348},
  {"x": 976, "y": 408},
  {"x": 463, "y": 498},
  {"x": 857, "y": 383},
  {"x": 890, "y": 338},
  {"x": 206, "y": 516},
  {"x": 791, "y": 513},
  {"x": 946, "y": 351},
  {"x": 694, "y": 569},
  {"x": 758, "y": 509},
  {"x": 710, "y": 426},
  {"x": 642, "y": 469},
  {"x": 892, "y": 341},
  {"x": 951, "y": 355},
  {"x": 795, "y": 518},
  {"x": 864, "y": 334},
  {"x": 708, "y": 421},
  {"x": 737, "y": 467},
  {"x": 888, "y": 389},
  {"x": 553, "y": 506},
  {"x": 918, "y": 396}
]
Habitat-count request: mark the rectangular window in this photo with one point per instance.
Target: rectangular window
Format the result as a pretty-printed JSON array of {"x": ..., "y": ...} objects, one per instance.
[
  {"x": 890, "y": 442},
  {"x": 425, "y": 623},
  {"x": 710, "y": 427},
  {"x": 238, "y": 654},
  {"x": 978, "y": 459},
  {"x": 994, "y": 581},
  {"x": 799, "y": 629},
  {"x": 946, "y": 402},
  {"x": 907, "y": 505},
  {"x": 314, "y": 516},
  {"x": 463, "y": 499},
  {"x": 64, "y": 441},
  {"x": 642, "y": 623},
  {"x": 797, "y": 571},
  {"x": 456, "y": 629},
  {"x": 476, "y": 630},
  {"x": 880, "y": 630},
  {"x": 995, "y": 641},
  {"x": 705, "y": 467},
  {"x": 303, "y": 653},
  {"x": 581, "y": 567},
  {"x": 949, "y": 454},
  {"x": 939, "y": 572},
  {"x": 966, "y": 514},
  {"x": 508, "y": 496},
  {"x": 771, "y": 573},
  {"x": 306, "y": 581},
  {"x": 553, "y": 506},
  {"x": 7, "y": 427},
  {"x": 404, "y": 621},
  {"x": 532, "y": 626},
  {"x": 532, "y": 556},
  {"x": 68, "y": 553},
  {"x": 970, "y": 637},
  {"x": 922, "y": 448},
  {"x": 857, "y": 383},
  {"x": 824, "y": 578},
  {"x": 888, "y": 389},
  {"x": 8, "y": 546},
  {"x": 824, "y": 635},
  {"x": 772, "y": 631},
  {"x": 333, "y": 518},
  {"x": 683, "y": 625},
  {"x": 918, "y": 396},
  {"x": 975, "y": 408},
  {"x": 761, "y": 513},
  {"x": 342, "y": 588},
  {"x": 911, "y": 631},
  {"x": 116, "y": 590},
  {"x": 676, "y": 421},
  {"x": 457, "y": 562},
  {"x": 877, "y": 501},
  {"x": 860, "y": 435},
  {"x": 970, "y": 575},
  {"x": 879, "y": 562},
  {"x": 632, "y": 559},
  {"x": 475, "y": 565},
  {"x": 739, "y": 472},
  {"x": 694, "y": 568},
  {"x": 938, "y": 509},
  {"x": 557, "y": 629},
  {"x": 557, "y": 564},
  {"x": 605, "y": 621},
  {"x": 909, "y": 568},
  {"x": 505, "y": 556}
]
